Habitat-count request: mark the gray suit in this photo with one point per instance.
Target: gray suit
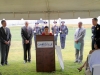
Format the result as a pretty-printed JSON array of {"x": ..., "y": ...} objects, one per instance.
[
  {"x": 4, "y": 36},
  {"x": 79, "y": 35},
  {"x": 26, "y": 34}
]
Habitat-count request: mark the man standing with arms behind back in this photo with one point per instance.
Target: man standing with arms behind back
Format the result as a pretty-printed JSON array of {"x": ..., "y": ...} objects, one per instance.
[
  {"x": 26, "y": 33},
  {"x": 79, "y": 38},
  {"x": 5, "y": 37}
]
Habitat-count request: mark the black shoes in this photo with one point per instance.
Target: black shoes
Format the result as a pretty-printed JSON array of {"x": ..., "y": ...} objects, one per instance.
[
  {"x": 76, "y": 62},
  {"x": 4, "y": 64},
  {"x": 27, "y": 61}
]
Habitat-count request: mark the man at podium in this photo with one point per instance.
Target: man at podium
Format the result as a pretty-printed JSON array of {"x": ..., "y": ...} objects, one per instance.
[{"x": 46, "y": 31}]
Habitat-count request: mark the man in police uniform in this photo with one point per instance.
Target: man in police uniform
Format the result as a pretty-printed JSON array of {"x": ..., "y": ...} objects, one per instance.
[
  {"x": 45, "y": 24},
  {"x": 96, "y": 31},
  {"x": 55, "y": 31},
  {"x": 92, "y": 44},
  {"x": 63, "y": 32},
  {"x": 36, "y": 30}
]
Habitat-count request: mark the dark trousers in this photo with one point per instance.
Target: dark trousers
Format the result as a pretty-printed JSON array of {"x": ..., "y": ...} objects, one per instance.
[
  {"x": 62, "y": 41},
  {"x": 93, "y": 42},
  {"x": 4, "y": 53},
  {"x": 27, "y": 51}
]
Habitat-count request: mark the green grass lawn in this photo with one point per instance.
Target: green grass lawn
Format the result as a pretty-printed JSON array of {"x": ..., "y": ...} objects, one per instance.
[{"x": 17, "y": 67}]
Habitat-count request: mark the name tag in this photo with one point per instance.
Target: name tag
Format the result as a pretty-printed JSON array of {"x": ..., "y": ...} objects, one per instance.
[{"x": 45, "y": 44}]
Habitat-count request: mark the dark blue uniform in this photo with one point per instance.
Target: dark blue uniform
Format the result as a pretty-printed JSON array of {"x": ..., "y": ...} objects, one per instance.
[
  {"x": 42, "y": 28},
  {"x": 63, "y": 32},
  {"x": 36, "y": 31},
  {"x": 92, "y": 29},
  {"x": 55, "y": 31},
  {"x": 96, "y": 34}
]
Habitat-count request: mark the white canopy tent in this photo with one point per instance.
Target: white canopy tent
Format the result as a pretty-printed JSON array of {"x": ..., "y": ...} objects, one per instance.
[{"x": 48, "y": 9}]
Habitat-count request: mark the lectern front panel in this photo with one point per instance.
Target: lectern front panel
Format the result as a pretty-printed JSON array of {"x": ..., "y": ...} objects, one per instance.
[{"x": 45, "y": 53}]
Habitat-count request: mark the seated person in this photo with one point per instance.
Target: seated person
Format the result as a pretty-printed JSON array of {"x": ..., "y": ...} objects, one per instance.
[
  {"x": 95, "y": 57},
  {"x": 46, "y": 31},
  {"x": 86, "y": 62}
]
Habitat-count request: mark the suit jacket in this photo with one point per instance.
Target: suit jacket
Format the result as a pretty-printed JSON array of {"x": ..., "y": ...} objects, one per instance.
[
  {"x": 96, "y": 32},
  {"x": 26, "y": 34},
  {"x": 5, "y": 36},
  {"x": 79, "y": 36}
]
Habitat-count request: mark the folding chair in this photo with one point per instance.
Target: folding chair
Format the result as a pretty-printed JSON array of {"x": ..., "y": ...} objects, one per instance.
[{"x": 96, "y": 69}]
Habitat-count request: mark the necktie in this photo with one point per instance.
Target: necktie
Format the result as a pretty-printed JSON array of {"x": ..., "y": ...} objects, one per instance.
[
  {"x": 27, "y": 30},
  {"x": 79, "y": 31},
  {"x": 5, "y": 30}
]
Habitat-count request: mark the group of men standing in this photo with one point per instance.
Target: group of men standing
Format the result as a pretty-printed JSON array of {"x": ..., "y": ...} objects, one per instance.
[
  {"x": 79, "y": 38},
  {"x": 27, "y": 33}
]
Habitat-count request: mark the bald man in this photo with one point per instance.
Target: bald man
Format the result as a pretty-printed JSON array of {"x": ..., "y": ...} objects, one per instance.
[
  {"x": 26, "y": 33},
  {"x": 79, "y": 38}
]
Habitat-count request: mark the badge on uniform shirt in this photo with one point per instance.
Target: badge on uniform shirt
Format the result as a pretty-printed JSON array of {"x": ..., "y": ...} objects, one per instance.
[
  {"x": 97, "y": 28},
  {"x": 95, "y": 38}
]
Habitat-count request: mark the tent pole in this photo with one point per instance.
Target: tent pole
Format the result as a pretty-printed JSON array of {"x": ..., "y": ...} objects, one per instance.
[{"x": 49, "y": 21}]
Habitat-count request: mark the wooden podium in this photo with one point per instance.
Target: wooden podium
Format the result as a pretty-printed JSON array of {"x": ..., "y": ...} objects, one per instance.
[{"x": 45, "y": 53}]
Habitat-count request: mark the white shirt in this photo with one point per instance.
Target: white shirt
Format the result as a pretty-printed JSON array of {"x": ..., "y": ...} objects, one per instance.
[
  {"x": 4, "y": 29},
  {"x": 94, "y": 59}
]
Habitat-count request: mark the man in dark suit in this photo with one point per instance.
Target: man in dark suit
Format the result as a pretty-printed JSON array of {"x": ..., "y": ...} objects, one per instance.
[
  {"x": 5, "y": 37},
  {"x": 26, "y": 33},
  {"x": 96, "y": 32}
]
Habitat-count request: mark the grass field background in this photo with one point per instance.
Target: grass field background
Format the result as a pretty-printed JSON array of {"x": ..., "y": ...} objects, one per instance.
[{"x": 15, "y": 59}]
